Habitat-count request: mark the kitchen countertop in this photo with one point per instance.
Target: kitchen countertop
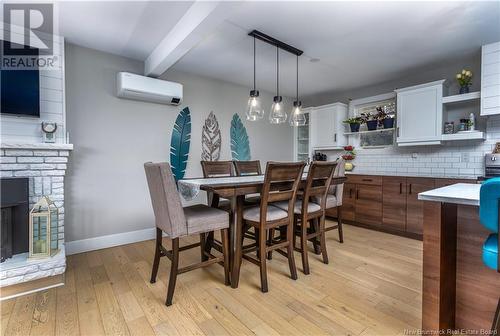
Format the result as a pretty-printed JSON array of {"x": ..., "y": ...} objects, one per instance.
[
  {"x": 460, "y": 193},
  {"x": 464, "y": 177}
]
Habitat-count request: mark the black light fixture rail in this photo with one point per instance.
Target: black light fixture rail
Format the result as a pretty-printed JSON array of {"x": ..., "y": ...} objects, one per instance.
[{"x": 277, "y": 43}]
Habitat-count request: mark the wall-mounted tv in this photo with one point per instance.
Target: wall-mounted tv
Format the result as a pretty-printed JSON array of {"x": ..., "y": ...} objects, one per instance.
[{"x": 20, "y": 91}]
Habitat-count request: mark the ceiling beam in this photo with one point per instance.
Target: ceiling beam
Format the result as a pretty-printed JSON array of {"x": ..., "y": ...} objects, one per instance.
[{"x": 198, "y": 22}]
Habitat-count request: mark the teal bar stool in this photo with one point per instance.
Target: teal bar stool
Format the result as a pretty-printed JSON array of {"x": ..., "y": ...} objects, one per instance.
[
  {"x": 489, "y": 207},
  {"x": 489, "y": 200}
]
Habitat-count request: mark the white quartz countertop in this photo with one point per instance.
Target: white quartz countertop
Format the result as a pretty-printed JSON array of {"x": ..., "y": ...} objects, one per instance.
[
  {"x": 44, "y": 146},
  {"x": 460, "y": 193}
]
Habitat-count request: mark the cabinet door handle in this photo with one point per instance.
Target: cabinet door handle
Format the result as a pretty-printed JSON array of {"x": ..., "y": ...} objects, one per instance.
[
  {"x": 397, "y": 131},
  {"x": 400, "y": 188},
  {"x": 409, "y": 189},
  {"x": 350, "y": 192},
  {"x": 366, "y": 180},
  {"x": 357, "y": 194},
  {"x": 335, "y": 137}
]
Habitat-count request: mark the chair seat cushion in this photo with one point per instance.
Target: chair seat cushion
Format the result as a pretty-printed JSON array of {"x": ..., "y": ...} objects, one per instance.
[
  {"x": 331, "y": 201},
  {"x": 311, "y": 207},
  {"x": 273, "y": 213},
  {"x": 201, "y": 218},
  {"x": 490, "y": 252}
]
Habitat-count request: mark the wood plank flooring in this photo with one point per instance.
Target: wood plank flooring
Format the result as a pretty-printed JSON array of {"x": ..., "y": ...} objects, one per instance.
[{"x": 372, "y": 286}]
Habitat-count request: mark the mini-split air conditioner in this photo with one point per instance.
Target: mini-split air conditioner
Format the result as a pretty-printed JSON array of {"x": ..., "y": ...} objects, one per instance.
[{"x": 132, "y": 86}]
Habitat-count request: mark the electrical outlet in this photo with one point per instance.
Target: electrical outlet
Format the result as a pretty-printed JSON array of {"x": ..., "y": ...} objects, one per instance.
[
  {"x": 414, "y": 155},
  {"x": 465, "y": 157}
]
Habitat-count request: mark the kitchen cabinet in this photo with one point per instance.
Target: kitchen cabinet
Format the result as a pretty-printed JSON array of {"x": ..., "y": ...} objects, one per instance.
[
  {"x": 389, "y": 203},
  {"x": 490, "y": 79},
  {"x": 301, "y": 139},
  {"x": 327, "y": 129},
  {"x": 420, "y": 114},
  {"x": 415, "y": 207},
  {"x": 394, "y": 202}
]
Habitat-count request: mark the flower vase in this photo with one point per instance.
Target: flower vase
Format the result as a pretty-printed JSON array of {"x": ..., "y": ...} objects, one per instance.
[{"x": 464, "y": 89}]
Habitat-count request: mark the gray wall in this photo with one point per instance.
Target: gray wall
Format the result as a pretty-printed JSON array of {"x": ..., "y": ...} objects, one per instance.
[
  {"x": 426, "y": 74},
  {"x": 106, "y": 189}
]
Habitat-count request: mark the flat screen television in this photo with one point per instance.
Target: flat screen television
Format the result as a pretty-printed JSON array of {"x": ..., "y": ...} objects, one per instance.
[{"x": 20, "y": 92}]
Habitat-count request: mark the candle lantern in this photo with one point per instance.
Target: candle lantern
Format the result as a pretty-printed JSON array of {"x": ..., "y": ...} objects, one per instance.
[{"x": 44, "y": 220}]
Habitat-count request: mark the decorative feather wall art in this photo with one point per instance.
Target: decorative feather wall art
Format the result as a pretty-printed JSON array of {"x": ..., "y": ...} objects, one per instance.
[
  {"x": 240, "y": 145},
  {"x": 211, "y": 139},
  {"x": 179, "y": 144}
]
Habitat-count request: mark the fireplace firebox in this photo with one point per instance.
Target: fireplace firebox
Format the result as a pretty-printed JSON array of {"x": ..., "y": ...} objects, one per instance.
[{"x": 14, "y": 204}]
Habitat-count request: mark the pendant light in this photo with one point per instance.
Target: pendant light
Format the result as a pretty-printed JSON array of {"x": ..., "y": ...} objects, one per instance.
[
  {"x": 278, "y": 114},
  {"x": 297, "y": 118},
  {"x": 254, "y": 107}
]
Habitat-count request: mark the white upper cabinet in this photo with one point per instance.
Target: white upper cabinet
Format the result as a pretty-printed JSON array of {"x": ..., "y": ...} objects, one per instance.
[
  {"x": 420, "y": 114},
  {"x": 327, "y": 129},
  {"x": 490, "y": 79}
]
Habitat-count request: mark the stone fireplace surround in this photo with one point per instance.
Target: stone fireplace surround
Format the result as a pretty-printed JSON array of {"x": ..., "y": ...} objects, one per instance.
[{"x": 45, "y": 166}]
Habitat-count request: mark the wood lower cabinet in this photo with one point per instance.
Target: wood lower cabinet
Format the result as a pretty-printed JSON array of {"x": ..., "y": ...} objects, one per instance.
[
  {"x": 394, "y": 202},
  {"x": 414, "y": 207},
  {"x": 349, "y": 202},
  {"x": 389, "y": 203},
  {"x": 369, "y": 204}
]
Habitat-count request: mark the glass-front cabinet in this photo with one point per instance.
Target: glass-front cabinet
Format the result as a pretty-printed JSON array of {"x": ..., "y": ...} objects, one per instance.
[{"x": 301, "y": 140}]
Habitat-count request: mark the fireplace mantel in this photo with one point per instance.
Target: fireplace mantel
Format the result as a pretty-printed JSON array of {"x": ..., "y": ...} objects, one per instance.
[{"x": 42, "y": 146}]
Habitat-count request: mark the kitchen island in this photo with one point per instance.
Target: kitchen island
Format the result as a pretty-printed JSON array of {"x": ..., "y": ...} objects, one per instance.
[{"x": 459, "y": 292}]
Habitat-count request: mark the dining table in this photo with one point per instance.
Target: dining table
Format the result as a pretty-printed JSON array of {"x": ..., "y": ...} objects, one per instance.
[{"x": 235, "y": 189}]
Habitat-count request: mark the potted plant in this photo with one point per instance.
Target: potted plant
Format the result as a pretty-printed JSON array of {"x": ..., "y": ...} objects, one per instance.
[
  {"x": 348, "y": 156},
  {"x": 385, "y": 119},
  {"x": 354, "y": 123},
  {"x": 465, "y": 80},
  {"x": 370, "y": 120}
]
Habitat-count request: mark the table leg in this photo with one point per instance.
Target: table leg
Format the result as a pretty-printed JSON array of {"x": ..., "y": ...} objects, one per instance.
[{"x": 237, "y": 210}]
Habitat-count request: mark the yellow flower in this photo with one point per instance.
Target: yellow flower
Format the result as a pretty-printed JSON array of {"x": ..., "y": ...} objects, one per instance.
[
  {"x": 464, "y": 72},
  {"x": 459, "y": 76},
  {"x": 469, "y": 73}
]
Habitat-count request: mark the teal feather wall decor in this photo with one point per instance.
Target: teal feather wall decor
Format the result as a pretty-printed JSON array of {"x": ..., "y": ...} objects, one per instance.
[
  {"x": 240, "y": 145},
  {"x": 179, "y": 144}
]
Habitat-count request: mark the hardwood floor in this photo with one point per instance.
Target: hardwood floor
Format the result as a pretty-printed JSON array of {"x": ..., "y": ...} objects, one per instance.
[{"x": 372, "y": 286}]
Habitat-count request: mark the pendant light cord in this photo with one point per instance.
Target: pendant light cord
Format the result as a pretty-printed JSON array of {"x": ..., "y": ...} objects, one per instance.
[
  {"x": 277, "y": 71},
  {"x": 297, "y": 79},
  {"x": 254, "y": 63}
]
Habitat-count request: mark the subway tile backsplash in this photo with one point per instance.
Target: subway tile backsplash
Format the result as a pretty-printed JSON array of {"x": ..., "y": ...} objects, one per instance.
[{"x": 451, "y": 159}]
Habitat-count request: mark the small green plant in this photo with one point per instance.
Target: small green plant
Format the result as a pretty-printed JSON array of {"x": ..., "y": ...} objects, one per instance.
[
  {"x": 354, "y": 120},
  {"x": 368, "y": 117}
]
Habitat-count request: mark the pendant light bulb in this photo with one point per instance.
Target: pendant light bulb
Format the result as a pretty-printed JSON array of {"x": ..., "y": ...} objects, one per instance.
[
  {"x": 254, "y": 110},
  {"x": 297, "y": 117},
  {"x": 278, "y": 114}
]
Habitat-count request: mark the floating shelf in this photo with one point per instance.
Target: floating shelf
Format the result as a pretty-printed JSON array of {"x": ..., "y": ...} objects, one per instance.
[
  {"x": 328, "y": 148},
  {"x": 375, "y": 131},
  {"x": 462, "y": 97},
  {"x": 473, "y": 135}
]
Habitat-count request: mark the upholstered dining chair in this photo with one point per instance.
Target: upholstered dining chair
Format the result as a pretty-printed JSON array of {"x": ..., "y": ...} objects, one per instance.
[
  {"x": 281, "y": 182},
  {"x": 177, "y": 222},
  {"x": 333, "y": 205},
  {"x": 247, "y": 168},
  {"x": 489, "y": 216},
  {"x": 308, "y": 212}
]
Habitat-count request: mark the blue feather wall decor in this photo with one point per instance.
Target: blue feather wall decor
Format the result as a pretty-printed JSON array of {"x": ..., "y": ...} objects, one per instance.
[
  {"x": 240, "y": 145},
  {"x": 179, "y": 144}
]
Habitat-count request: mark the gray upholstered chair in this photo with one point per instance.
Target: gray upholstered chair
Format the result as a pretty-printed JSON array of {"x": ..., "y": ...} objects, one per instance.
[{"x": 177, "y": 222}]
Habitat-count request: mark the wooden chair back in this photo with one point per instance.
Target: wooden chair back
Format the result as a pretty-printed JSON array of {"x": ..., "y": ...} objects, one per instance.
[
  {"x": 217, "y": 168},
  {"x": 244, "y": 168},
  {"x": 318, "y": 182},
  {"x": 167, "y": 206},
  {"x": 281, "y": 183}
]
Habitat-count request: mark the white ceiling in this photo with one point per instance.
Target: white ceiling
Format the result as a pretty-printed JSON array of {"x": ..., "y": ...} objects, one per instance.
[{"x": 358, "y": 43}]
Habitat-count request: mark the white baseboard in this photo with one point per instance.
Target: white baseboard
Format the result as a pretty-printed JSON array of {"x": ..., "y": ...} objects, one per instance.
[{"x": 97, "y": 243}]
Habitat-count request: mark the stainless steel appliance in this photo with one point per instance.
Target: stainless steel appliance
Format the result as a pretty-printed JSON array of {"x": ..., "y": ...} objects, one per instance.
[{"x": 491, "y": 165}]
